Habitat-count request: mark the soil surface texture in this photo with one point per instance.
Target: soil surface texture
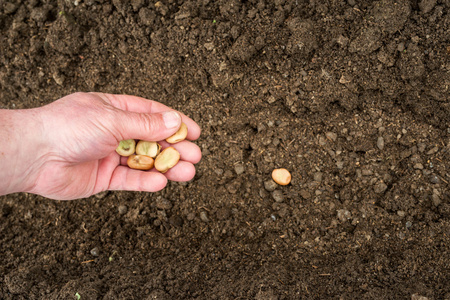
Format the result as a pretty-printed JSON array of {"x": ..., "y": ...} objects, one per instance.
[{"x": 352, "y": 97}]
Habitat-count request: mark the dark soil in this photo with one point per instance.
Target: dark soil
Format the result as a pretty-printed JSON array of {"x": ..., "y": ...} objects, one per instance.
[{"x": 351, "y": 96}]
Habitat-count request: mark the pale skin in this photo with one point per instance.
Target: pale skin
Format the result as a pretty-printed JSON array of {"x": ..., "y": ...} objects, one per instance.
[{"x": 66, "y": 150}]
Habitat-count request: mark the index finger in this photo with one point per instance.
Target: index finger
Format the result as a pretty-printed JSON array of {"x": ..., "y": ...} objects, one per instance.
[{"x": 142, "y": 105}]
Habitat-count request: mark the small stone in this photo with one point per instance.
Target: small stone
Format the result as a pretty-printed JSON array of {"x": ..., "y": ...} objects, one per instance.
[
  {"x": 342, "y": 40},
  {"x": 305, "y": 194},
  {"x": 415, "y": 158},
  {"x": 380, "y": 143},
  {"x": 318, "y": 176},
  {"x": 421, "y": 147},
  {"x": 101, "y": 195},
  {"x": 162, "y": 203},
  {"x": 278, "y": 196},
  {"x": 427, "y": 5},
  {"x": 418, "y": 166},
  {"x": 122, "y": 209},
  {"x": 209, "y": 46},
  {"x": 59, "y": 78},
  {"x": 331, "y": 135},
  {"x": 233, "y": 187},
  {"x": 239, "y": 169},
  {"x": 340, "y": 165},
  {"x": 270, "y": 185},
  {"x": 94, "y": 251},
  {"x": 345, "y": 79},
  {"x": 204, "y": 216},
  {"x": 436, "y": 200},
  {"x": 271, "y": 99},
  {"x": 366, "y": 172},
  {"x": 401, "y": 213},
  {"x": 408, "y": 224},
  {"x": 10, "y": 8},
  {"x": 190, "y": 216},
  {"x": 218, "y": 171},
  {"x": 433, "y": 150},
  {"x": 434, "y": 179},
  {"x": 380, "y": 187},
  {"x": 343, "y": 215}
]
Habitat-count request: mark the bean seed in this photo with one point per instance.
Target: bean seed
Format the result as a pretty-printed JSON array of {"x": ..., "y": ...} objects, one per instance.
[
  {"x": 167, "y": 159},
  {"x": 126, "y": 147},
  {"x": 179, "y": 135},
  {"x": 151, "y": 149},
  {"x": 140, "y": 162},
  {"x": 281, "y": 176}
]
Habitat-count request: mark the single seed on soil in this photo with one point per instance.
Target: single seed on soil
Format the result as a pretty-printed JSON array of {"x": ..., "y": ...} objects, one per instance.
[
  {"x": 140, "y": 162},
  {"x": 167, "y": 159},
  {"x": 151, "y": 149},
  {"x": 179, "y": 135},
  {"x": 126, "y": 147},
  {"x": 281, "y": 176}
]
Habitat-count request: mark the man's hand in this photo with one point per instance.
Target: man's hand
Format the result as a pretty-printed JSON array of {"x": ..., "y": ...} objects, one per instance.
[{"x": 66, "y": 150}]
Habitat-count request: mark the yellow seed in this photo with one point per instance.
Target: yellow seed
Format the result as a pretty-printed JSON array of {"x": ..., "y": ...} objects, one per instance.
[
  {"x": 126, "y": 147},
  {"x": 140, "y": 162},
  {"x": 281, "y": 176},
  {"x": 151, "y": 149},
  {"x": 179, "y": 135},
  {"x": 167, "y": 159}
]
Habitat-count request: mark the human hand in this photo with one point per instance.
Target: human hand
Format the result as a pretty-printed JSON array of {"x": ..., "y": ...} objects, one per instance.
[{"x": 74, "y": 140}]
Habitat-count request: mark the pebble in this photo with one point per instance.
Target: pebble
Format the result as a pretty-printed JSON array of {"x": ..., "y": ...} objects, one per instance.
[
  {"x": 331, "y": 135},
  {"x": 380, "y": 143},
  {"x": 122, "y": 209},
  {"x": 418, "y": 166},
  {"x": 209, "y": 46},
  {"x": 340, "y": 165},
  {"x": 239, "y": 169},
  {"x": 101, "y": 195},
  {"x": 408, "y": 224},
  {"x": 421, "y": 147},
  {"x": 204, "y": 216},
  {"x": 366, "y": 172},
  {"x": 190, "y": 216},
  {"x": 278, "y": 196},
  {"x": 401, "y": 213},
  {"x": 305, "y": 194},
  {"x": 436, "y": 200},
  {"x": 162, "y": 203},
  {"x": 318, "y": 176},
  {"x": 380, "y": 187},
  {"x": 418, "y": 297},
  {"x": 433, "y": 150},
  {"x": 94, "y": 251},
  {"x": 415, "y": 158},
  {"x": 434, "y": 179},
  {"x": 271, "y": 99},
  {"x": 270, "y": 185},
  {"x": 218, "y": 171},
  {"x": 322, "y": 141},
  {"x": 344, "y": 215}
]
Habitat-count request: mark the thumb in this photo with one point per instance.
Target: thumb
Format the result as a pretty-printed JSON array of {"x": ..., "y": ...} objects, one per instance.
[{"x": 149, "y": 127}]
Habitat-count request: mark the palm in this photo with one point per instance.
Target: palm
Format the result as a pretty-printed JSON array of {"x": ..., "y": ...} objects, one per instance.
[{"x": 83, "y": 161}]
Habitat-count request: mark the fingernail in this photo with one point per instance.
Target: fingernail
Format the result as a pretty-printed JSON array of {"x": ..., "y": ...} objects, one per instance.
[{"x": 171, "y": 119}]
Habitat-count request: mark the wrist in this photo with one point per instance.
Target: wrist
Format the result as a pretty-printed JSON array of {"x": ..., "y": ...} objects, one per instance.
[{"x": 22, "y": 150}]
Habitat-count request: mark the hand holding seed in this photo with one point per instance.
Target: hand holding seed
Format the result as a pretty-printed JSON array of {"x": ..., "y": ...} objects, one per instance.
[{"x": 75, "y": 140}]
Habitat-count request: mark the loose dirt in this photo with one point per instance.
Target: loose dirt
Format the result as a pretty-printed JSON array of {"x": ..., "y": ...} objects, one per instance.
[{"x": 352, "y": 97}]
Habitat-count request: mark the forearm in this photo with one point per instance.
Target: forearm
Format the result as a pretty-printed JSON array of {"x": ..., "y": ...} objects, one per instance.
[{"x": 20, "y": 133}]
